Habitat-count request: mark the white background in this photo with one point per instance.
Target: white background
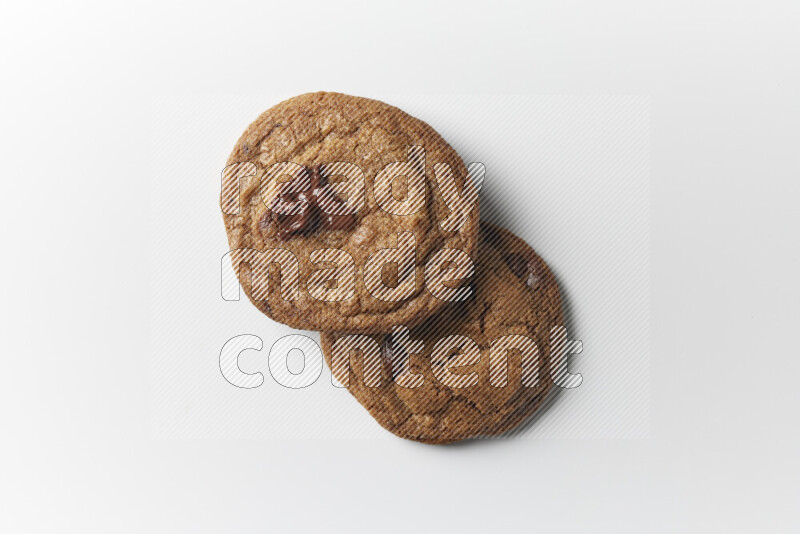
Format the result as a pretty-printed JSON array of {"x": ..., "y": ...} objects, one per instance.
[{"x": 77, "y": 449}]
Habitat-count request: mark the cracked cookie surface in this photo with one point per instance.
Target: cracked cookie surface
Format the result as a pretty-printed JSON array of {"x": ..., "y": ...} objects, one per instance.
[
  {"x": 514, "y": 292},
  {"x": 321, "y": 128}
]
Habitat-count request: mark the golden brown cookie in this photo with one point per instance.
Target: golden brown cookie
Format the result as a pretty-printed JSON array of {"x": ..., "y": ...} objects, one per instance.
[
  {"x": 307, "y": 154},
  {"x": 515, "y": 299}
]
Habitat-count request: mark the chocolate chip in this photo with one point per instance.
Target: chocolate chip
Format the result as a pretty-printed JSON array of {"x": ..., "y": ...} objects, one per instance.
[
  {"x": 525, "y": 269},
  {"x": 297, "y": 223},
  {"x": 312, "y": 217},
  {"x": 517, "y": 263},
  {"x": 337, "y": 222}
]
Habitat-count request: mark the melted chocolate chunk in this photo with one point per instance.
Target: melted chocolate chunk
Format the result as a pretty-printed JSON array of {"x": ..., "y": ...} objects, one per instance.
[
  {"x": 518, "y": 264},
  {"x": 312, "y": 217},
  {"x": 524, "y": 269}
]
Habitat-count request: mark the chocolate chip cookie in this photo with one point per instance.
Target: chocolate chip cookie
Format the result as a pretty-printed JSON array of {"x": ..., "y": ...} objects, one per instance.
[
  {"x": 477, "y": 368},
  {"x": 322, "y": 188}
]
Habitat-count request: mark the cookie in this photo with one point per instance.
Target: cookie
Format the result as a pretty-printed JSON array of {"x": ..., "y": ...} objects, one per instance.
[
  {"x": 425, "y": 393},
  {"x": 333, "y": 180}
]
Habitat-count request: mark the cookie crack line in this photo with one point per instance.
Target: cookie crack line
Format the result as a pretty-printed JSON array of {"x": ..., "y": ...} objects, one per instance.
[{"x": 482, "y": 317}]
